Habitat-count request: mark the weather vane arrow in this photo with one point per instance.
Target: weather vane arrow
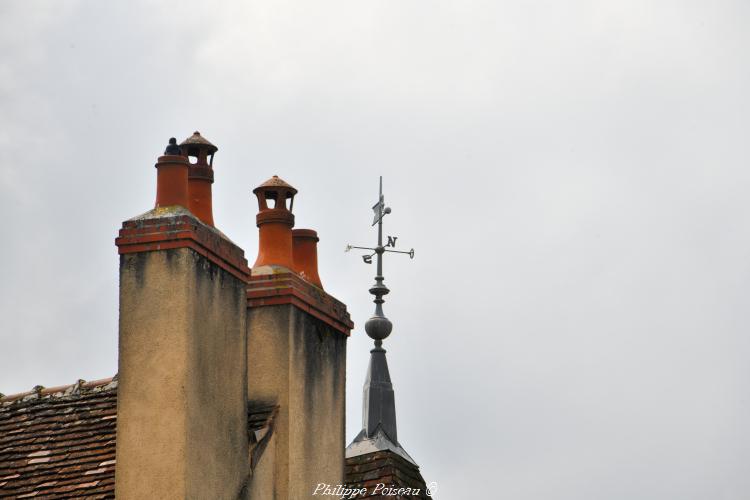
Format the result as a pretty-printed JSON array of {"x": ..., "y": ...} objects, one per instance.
[
  {"x": 380, "y": 212},
  {"x": 379, "y": 327}
]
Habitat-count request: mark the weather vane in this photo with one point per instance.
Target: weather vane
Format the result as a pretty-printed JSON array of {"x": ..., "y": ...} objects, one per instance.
[{"x": 379, "y": 327}]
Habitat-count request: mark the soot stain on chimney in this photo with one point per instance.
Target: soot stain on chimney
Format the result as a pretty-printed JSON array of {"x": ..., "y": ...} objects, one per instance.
[
  {"x": 136, "y": 265},
  {"x": 322, "y": 347},
  {"x": 170, "y": 255},
  {"x": 309, "y": 344},
  {"x": 339, "y": 361},
  {"x": 205, "y": 268}
]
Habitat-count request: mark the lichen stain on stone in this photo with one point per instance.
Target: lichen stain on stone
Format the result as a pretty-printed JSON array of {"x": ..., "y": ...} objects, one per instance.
[{"x": 163, "y": 212}]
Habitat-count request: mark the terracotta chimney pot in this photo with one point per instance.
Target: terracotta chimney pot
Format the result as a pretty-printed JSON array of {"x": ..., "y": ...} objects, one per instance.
[
  {"x": 171, "y": 181},
  {"x": 200, "y": 176},
  {"x": 275, "y": 221},
  {"x": 305, "y": 252}
]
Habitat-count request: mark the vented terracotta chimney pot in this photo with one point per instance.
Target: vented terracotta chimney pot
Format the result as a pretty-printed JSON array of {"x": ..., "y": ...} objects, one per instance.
[
  {"x": 171, "y": 178},
  {"x": 200, "y": 176},
  {"x": 305, "y": 252},
  {"x": 275, "y": 222}
]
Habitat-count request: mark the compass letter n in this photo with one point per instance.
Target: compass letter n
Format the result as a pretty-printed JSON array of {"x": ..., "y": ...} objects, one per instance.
[{"x": 391, "y": 241}]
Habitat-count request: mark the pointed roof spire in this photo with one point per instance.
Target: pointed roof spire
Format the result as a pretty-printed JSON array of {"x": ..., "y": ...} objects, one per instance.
[{"x": 379, "y": 430}]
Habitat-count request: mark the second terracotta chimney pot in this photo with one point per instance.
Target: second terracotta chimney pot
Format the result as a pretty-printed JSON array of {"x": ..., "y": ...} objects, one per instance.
[{"x": 305, "y": 252}]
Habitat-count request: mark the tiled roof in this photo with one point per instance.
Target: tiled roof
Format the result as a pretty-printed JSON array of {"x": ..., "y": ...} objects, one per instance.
[
  {"x": 59, "y": 442},
  {"x": 387, "y": 468}
]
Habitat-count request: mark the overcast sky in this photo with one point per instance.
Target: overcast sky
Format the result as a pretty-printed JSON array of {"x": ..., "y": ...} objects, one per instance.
[{"x": 573, "y": 177}]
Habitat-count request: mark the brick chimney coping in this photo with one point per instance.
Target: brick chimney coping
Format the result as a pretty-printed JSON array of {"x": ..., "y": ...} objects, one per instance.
[
  {"x": 166, "y": 228},
  {"x": 281, "y": 286}
]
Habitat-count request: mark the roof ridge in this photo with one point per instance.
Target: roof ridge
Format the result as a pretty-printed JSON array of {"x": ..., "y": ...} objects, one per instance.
[{"x": 79, "y": 387}]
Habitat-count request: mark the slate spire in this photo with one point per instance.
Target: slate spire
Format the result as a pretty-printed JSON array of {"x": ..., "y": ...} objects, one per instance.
[{"x": 379, "y": 430}]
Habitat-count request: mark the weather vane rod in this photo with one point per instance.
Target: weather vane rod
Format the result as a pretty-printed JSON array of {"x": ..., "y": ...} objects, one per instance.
[{"x": 379, "y": 327}]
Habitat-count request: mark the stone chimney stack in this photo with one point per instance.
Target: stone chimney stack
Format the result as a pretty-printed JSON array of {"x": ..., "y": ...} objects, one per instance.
[
  {"x": 182, "y": 395},
  {"x": 296, "y": 350}
]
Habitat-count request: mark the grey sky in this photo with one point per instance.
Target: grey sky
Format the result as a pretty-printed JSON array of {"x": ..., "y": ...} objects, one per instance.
[{"x": 573, "y": 176}]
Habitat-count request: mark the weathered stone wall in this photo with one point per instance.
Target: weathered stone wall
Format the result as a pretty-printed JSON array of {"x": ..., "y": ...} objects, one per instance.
[
  {"x": 299, "y": 362},
  {"x": 182, "y": 421}
]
